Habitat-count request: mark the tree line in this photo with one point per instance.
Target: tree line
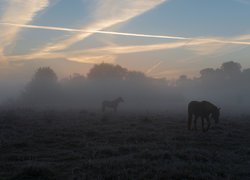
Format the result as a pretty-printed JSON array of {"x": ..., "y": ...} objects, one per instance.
[{"x": 227, "y": 85}]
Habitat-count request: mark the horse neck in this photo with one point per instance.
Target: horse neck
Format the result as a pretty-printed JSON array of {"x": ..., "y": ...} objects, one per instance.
[
  {"x": 213, "y": 106},
  {"x": 117, "y": 101},
  {"x": 210, "y": 106}
]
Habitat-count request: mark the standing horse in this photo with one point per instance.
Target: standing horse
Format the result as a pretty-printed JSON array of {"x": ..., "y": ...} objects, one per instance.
[
  {"x": 111, "y": 104},
  {"x": 203, "y": 110}
]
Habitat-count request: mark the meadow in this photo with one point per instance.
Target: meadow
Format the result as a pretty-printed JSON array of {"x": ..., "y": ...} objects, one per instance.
[{"x": 84, "y": 144}]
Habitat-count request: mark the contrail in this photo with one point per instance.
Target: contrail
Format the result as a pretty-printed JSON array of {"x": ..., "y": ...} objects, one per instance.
[
  {"x": 208, "y": 40},
  {"x": 89, "y": 31},
  {"x": 155, "y": 66}
]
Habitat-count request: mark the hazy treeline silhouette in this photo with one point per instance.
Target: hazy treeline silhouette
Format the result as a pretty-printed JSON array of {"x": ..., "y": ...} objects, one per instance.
[
  {"x": 228, "y": 86},
  {"x": 103, "y": 82}
]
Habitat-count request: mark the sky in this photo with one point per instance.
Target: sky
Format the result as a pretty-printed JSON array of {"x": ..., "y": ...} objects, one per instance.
[{"x": 162, "y": 38}]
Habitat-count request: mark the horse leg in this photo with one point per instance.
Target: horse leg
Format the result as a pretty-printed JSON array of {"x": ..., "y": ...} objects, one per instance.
[
  {"x": 202, "y": 121},
  {"x": 189, "y": 121},
  {"x": 208, "y": 124},
  {"x": 195, "y": 123},
  {"x": 103, "y": 108}
]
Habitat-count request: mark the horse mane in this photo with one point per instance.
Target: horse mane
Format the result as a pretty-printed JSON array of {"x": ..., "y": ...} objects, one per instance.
[
  {"x": 118, "y": 99},
  {"x": 211, "y": 104}
]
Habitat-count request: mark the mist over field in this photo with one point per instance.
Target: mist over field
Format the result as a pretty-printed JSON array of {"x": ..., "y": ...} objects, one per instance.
[
  {"x": 69, "y": 129},
  {"x": 114, "y": 123},
  {"x": 124, "y": 89},
  {"x": 226, "y": 86}
]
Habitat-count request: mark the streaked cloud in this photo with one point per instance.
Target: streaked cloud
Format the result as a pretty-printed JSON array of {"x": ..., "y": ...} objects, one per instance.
[
  {"x": 107, "y": 13},
  {"x": 114, "y": 50},
  {"x": 110, "y": 52},
  {"x": 94, "y": 59},
  {"x": 18, "y": 11},
  {"x": 243, "y": 37},
  {"x": 201, "y": 47},
  {"x": 194, "y": 45}
]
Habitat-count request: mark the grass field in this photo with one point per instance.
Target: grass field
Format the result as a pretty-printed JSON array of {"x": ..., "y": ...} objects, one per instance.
[{"x": 90, "y": 145}]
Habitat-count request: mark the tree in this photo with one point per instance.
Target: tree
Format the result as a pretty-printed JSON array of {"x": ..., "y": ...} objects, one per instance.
[
  {"x": 75, "y": 80},
  {"x": 231, "y": 69},
  {"x": 246, "y": 73},
  {"x": 207, "y": 73},
  {"x": 183, "y": 81},
  {"x": 107, "y": 71},
  {"x": 43, "y": 88},
  {"x": 136, "y": 76},
  {"x": 45, "y": 74}
]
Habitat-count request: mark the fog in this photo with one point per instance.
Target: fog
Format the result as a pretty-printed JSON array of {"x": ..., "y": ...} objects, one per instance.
[{"x": 227, "y": 87}]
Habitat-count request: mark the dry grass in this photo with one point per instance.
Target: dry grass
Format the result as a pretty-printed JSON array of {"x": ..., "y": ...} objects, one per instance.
[{"x": 89, "y": 145}]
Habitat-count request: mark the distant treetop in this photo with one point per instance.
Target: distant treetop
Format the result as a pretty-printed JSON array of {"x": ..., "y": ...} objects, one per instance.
[
  {"x": 45, "y": 74},
  {"x": 106, "y": 71}
]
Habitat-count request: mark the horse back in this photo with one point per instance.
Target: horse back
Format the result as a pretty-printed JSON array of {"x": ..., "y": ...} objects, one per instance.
[
  {"x": 193, "y": 106},
  {"x": 209, "y": 106},
  {"x": 203, "y": 108}
]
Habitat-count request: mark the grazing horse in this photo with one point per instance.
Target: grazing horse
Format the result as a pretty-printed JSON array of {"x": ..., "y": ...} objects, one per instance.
[
  {"x": 203, "y": 110},
  {"x": 111, "y": 104}
]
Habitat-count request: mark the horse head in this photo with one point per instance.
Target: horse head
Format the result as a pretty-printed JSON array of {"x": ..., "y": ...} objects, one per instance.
[
  {"x": 120, "y": 99},
  {"x": 216, "y": 115}
]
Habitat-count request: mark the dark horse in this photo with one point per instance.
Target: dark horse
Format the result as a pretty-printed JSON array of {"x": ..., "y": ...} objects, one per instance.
[
  {"x": 112, "y": 104},
  {"x": 203, "y": 110}
]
